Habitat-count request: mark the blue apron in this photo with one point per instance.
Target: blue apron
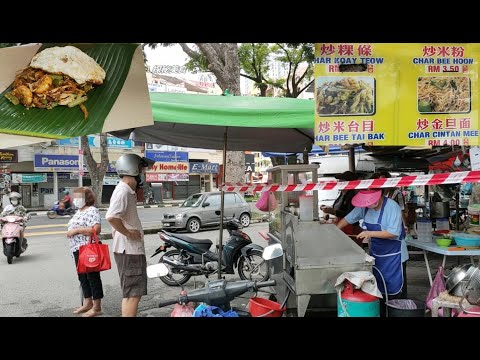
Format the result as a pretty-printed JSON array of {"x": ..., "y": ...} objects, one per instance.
[{"x": 388, "y": 258}]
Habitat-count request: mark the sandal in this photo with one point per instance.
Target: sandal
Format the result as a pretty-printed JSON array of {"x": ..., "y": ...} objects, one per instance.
[
  {"x": 82, "y": 309},
  {"x": 92, "y": 313}
]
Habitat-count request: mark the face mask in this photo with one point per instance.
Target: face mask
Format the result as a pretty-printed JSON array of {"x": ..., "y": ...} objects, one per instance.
[
  {"x": 139, "y": 180},
  {"x": 79, "y": 202},
  {"x": 14, "y": 202}
]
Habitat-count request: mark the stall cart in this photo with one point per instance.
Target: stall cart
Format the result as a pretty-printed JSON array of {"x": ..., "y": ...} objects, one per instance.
[{"x": 315, "y": 254}]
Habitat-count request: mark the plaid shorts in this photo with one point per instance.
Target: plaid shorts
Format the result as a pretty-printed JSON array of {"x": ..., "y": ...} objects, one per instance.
[{"x": 132, "y": 270}]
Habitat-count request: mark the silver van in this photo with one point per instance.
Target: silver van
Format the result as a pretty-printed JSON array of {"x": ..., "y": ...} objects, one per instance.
[{"x": 198, "y": 210}]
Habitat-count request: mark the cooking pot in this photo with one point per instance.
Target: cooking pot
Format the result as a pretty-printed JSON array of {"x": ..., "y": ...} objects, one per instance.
[
  {"x": 439, "y": 209},
  {"x": 455, "y": 277}
]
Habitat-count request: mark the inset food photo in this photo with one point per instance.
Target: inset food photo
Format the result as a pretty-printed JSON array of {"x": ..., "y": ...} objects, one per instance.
[
  {"x": 348, "y": 95},
  {"x": 443, "y": 94},
  {"x": 59, "y": 91}
]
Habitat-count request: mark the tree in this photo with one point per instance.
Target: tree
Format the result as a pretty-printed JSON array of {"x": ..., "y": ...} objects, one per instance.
[
  {"x": 254, "y": 60},
  {"x": 96, "y": 170},
  {"x": 293, "y": 55},
  {"x": 224, "y": 63}
]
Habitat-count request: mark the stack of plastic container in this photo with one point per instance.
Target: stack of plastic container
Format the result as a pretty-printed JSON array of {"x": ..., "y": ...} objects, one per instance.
[
  {"x": 442, "y": 224},
  {"x": 424, "y": 230}
]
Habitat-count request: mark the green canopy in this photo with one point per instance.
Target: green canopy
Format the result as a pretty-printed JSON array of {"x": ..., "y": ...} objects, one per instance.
[{"x": 254, "y": 123}]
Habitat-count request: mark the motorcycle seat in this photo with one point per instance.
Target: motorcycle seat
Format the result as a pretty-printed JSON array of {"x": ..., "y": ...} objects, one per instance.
[{"x": 192, "y": 240}]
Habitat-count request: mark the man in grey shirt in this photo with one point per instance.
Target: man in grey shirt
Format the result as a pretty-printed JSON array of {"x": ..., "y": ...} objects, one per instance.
[{"x": 128, "y": 242}]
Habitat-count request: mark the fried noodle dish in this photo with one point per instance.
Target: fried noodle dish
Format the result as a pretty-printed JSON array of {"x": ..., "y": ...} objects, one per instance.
[
  {"x": 443, "y": 94},
  {"x": 56, "y": 76},
  {"x": 345, "y": 96}
]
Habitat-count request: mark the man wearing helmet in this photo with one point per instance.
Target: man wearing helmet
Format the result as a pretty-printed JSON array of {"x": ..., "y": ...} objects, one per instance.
[
  {"x": 128, "y": 243},
  {"x": 15, "y": 208}
]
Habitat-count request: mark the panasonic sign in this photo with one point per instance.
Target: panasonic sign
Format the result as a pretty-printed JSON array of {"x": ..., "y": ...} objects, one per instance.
[{"x": 56, "y": 163}]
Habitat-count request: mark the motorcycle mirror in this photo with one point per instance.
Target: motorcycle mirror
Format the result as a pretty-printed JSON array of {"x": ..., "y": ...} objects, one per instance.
[
  {"x": 272, "y": 252},
  {"x": 157, "y": 270}
]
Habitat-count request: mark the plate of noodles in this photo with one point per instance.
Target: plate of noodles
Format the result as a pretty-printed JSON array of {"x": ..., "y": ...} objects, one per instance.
[{"x": 443, "y": 94}]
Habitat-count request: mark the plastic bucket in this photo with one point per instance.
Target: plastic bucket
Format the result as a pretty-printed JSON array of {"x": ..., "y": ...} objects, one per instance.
[
  {"x": 394, "y": 311},
  {"x": 260, "y": 306},
  {"x": 474, "y": 213}
]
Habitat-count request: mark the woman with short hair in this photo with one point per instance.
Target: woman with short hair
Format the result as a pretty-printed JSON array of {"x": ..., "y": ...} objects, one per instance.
[{"x": 80, "y": 229}]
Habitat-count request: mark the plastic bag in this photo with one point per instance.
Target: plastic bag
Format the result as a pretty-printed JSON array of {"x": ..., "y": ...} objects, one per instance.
[
  {"x": 438, "y": 286},
  {"x": 267, "y": 202},
  {"x": 403, "y": 304},
  {"x": 213, "y": 311},
  {"x": 182, "y": 310}
]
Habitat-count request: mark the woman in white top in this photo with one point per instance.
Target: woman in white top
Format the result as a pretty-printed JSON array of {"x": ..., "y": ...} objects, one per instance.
[{"x": 80, "y": 228}]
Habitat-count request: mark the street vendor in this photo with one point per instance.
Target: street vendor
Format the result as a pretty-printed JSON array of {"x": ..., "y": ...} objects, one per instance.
[
  {"x": 343, "y": 205},
  {"x": 385, "y": 233}
]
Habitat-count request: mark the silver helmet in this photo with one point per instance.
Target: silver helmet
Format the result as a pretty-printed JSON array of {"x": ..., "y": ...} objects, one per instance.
[
  {"x": 14, "y": 195},
  {"x": 129, "y": 164}
]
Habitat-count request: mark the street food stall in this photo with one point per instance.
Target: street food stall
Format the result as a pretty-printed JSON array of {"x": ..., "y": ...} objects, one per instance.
[{"x": 315, "y": 254}]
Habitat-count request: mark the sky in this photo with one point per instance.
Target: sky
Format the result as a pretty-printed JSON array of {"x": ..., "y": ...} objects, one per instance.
[{"x": 172, "y": 55}]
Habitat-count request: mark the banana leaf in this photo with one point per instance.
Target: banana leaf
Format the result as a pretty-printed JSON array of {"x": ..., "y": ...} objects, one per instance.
[{"x": 62, "y": 121}]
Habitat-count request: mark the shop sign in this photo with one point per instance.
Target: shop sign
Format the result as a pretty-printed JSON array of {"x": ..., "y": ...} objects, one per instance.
[
  {"x": 111, "y": 179},
  {"x": 396, "y": 94},
  {"x": 249, "y": 163},
  {"x": 8, "y": 156},
  {"x": 94, "y": 141},
  {"x": 29, "y": 178},
  {"x": 56, "y": 163},
  {"x": 167, "y": 156},
  {"x": 438, "y": 105},
  {"x": 204, "y": 167},
  {"x": 156, "y": 177},
  {"x": 170, "y": 167}
]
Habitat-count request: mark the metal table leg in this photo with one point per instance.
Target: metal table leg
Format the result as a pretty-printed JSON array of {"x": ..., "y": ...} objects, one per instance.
[
  {"x": 428, "y": 267},
  {"x": 444, "y": 260},
  {"x": 302, "y": 304}
]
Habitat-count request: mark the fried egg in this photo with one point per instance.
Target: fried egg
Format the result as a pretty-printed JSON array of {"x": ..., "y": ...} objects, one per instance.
[{"x": 71, "y": 61}]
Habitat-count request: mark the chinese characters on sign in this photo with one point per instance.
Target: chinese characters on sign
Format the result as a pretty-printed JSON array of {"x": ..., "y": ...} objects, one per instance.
[
  {"x": 396, "y": 94},
  {"x": 353, "y": 94}
]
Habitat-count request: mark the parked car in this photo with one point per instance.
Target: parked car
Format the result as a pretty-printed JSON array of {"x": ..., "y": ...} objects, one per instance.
[{"x": 198, "y": 211}]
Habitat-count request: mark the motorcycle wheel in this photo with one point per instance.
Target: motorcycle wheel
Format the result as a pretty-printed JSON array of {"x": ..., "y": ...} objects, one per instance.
[
  {"x": 51, "y": 214},
  {"x": 255, "y": 268},
  {"x": 169, "y": 279},
  {"x": 10, "y": 250}
]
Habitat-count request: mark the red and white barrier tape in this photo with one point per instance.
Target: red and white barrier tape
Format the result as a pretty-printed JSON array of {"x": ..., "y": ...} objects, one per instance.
[{"x": 429, "y": 179}]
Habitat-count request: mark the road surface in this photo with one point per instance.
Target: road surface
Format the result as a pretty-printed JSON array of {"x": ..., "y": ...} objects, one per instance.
[{"x": 43, "y": 281}]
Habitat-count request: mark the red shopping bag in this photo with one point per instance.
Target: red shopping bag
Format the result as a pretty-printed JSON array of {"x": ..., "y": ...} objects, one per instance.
[{"x": 94, "y": 256}]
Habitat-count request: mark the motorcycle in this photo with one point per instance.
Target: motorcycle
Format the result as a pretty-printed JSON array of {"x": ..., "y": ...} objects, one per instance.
[
  {"x": 13, "y": 244},
  {"x": 218, "y": 292},
  {"x": 193, "y": 257},
  {"x": 54, "y": 212},
  {"x": 149, "y": 198}
]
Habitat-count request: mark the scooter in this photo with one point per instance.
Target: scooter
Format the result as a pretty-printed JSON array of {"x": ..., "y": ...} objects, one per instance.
[
  {"x": 54, "y": 212},
  {"x": 13, "y": 243},
  {"x": 218, "y": 292},
  {"x": 193, "y": 257}
]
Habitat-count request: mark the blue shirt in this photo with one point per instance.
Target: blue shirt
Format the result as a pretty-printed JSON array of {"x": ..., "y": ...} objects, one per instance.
[{"x": 391, "y": 220}]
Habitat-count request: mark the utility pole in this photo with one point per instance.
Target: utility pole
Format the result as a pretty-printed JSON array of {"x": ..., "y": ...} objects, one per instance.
[{"x": 80, "y": 162}]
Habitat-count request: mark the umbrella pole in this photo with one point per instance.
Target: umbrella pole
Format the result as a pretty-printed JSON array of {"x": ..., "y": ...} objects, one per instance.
[
  {"x": 222, "y": 204},
  {"x": 351, "y": 159}
]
